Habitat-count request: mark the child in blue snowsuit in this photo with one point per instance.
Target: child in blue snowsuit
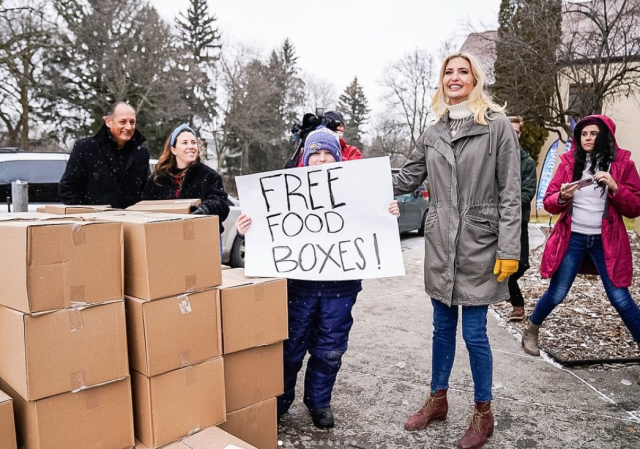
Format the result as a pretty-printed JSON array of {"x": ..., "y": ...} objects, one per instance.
[{"x": 319, "y": 313}]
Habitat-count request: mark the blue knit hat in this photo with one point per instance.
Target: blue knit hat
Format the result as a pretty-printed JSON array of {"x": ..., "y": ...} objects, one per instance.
[
  {"x": 322, "y": 139},
  {"x": 176, "y": 132}
]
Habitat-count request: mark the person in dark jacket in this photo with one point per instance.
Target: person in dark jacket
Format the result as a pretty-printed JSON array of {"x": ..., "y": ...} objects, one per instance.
[
  {"x": 179, "y": 174},
  {"x": 319, "y": 313},
  {"x": 110, "y": 168},
  {"x": 528, "y": 189}
]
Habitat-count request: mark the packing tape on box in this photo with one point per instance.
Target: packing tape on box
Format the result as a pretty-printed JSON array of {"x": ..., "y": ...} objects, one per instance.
[
  {"x": 190, "y": 281},
  {"x": 191, "y": 375},
  {"x": 194, "y": 431},
  {"x": 188, "y": 230},
  {"x": 184, "y": 304},
  {"x": 78, "y": 381},
  {"x": 78, "y": 233},
  {"x": 92, "y": 398},
  {"x": 185, "y": 357},
  {"x": 76, "y": 320}
]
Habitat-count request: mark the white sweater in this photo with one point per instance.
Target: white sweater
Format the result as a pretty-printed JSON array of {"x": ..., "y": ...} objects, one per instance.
[{"x": 588, "y": 207}]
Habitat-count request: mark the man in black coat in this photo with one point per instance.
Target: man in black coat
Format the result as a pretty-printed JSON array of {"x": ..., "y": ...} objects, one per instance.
[{"x": 111, "y": 167}]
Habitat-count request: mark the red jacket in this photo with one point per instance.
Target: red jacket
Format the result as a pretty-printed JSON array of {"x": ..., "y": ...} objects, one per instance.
[
  {"x": 615, "y": 240},
  {"x": 349, "y": 152}
]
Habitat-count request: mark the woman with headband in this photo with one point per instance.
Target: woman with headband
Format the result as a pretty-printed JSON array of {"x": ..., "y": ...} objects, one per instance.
[{"x": 180, "y": 174}]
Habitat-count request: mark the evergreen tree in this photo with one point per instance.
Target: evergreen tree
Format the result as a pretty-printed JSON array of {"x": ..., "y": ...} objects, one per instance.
[
  {"x": 201, "y": 43},
  {"x": 529, "y": 34},
  {"x": 355, "y": 107}
]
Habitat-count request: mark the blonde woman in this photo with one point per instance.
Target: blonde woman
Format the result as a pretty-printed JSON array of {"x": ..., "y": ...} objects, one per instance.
[{"x": 472, "y": 231}]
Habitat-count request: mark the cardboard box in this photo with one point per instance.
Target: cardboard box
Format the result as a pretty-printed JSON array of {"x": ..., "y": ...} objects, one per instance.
[
  {"x": 28, "y": 216},
  {"x": 52, "y": 353},
  {"x": 256, "y": 424},
  {"x": 180, "y": 206},
  {"x": 169, "y": 333},
  {"x": 253, "y": 375},
  {"x": 168, "y": 254},
  {"x": 7, "y": 423},
  {"x": 50, "y": 265},
  {"x": 254, "y": 311},
  {"x": 99, "y": 417},
  {"x": 211, "y": 438},
  {"x": 63, "y": 209},
  {"x": 173, "y": 405}
]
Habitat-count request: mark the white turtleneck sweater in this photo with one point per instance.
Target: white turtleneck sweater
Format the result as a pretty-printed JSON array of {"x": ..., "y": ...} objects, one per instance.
[
  {"x": 458, "y": 113},
  {"x": 588, "y": 206}
]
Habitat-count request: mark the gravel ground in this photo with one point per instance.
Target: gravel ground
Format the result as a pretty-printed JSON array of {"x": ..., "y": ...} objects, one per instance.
[{"x": 585, "y": 326}]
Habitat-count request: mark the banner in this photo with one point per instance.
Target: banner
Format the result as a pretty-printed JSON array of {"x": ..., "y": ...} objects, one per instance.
[
  {"x": 325, "y": 222},
  {"x": 546, "y": 173}
]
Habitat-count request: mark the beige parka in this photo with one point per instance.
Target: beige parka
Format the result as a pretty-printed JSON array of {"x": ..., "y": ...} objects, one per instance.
[{"x": 474, "y": 215}]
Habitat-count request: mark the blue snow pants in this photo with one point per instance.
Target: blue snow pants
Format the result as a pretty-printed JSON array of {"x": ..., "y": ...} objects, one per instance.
[{"x": 319, "y": 323}]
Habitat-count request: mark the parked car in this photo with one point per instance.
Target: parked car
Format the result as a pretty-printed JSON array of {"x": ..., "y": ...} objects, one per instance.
[
  {"x": 413, "y": 208},
  {"x": 41, "y": 170}
]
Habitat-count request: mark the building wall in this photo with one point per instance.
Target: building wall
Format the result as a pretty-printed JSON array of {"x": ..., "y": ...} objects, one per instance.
[{"x": 625, "y": 112}]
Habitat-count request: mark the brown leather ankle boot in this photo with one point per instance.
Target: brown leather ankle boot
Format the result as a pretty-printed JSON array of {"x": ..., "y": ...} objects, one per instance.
[
  {"x": 434, "y": 409},
  {"x": 530, "y": 340},
  {"x": 480, "y": 429}
]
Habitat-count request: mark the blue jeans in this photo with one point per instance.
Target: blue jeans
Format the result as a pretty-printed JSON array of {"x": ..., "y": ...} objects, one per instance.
[
  {"x": 474, "y": 332},
  {"x": 581, "y": 245}
]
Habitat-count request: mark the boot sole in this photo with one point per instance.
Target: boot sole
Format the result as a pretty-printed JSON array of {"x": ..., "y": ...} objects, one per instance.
[
  {"x": 489, "y": 435},
  {"x": 413, "y": 429}
]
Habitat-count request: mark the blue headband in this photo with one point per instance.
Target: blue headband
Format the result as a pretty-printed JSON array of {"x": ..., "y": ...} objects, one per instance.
[{"x": 176, "y": 132}]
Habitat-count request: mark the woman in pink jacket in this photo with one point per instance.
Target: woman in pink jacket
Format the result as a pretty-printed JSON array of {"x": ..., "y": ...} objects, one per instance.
[{"x": 590, "y": 227}]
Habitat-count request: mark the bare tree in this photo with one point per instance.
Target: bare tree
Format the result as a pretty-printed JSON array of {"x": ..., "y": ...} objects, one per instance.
[
  {"x": 390, "y": 138},
  {"x": 25, "y": 33},
  {"x": 318, "y": 93},
  {"x": 409, "y": 84},
  {"x": 594, "y": 59}
]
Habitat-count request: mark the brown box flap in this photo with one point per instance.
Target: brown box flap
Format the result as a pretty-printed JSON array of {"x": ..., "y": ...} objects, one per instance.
[
  {"x": 63, "y": 209},
  {"x": 173, "y": 332},
  {"x": 48, "y": 354},
  {"x": 178, "y": 206},
  {"x": 256, "y": 424},
  {"x": 175, "y": 404},
  {"x": 216, "y": 438},
  {"x": 253, "y": 375}
]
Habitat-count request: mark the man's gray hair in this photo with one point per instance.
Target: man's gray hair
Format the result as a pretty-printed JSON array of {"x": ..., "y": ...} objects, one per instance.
[{"x": 112, "y": 109}]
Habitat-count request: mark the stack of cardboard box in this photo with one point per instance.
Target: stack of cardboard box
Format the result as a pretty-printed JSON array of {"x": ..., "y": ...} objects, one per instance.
[
  {"x": 254, "y": 324},
  {"x": 63, "y": 350},
  {"x": 172, "y": 264}
]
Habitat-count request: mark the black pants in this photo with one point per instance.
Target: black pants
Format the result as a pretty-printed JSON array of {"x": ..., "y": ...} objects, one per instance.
[{"x": 515, "y": 295}]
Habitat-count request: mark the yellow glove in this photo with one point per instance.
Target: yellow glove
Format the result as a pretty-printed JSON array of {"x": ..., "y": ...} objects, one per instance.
[{"x": 504, "y": 268}]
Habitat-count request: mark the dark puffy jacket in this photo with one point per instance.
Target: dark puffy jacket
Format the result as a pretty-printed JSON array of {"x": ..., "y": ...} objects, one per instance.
[
  {"x": 325, "y": 289},
  {"x": 201, "y": 181},
  {"x": 93, "y": 175},
  {"x": 528, "y": 183}
]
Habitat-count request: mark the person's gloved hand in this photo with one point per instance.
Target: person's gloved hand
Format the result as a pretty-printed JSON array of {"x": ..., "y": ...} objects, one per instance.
[
  {"x": 199, "y": 211},
  {"x": 504, "y": 268}
]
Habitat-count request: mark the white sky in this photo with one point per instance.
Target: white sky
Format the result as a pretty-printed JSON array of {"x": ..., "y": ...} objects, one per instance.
[{"x": 338, "y": 40}]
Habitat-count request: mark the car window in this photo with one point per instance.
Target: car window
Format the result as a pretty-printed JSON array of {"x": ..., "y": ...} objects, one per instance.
[{"x": 43, "y": 177}]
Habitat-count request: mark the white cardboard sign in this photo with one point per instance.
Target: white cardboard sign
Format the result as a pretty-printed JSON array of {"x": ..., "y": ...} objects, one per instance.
[{"x": 325, "y": 222}]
